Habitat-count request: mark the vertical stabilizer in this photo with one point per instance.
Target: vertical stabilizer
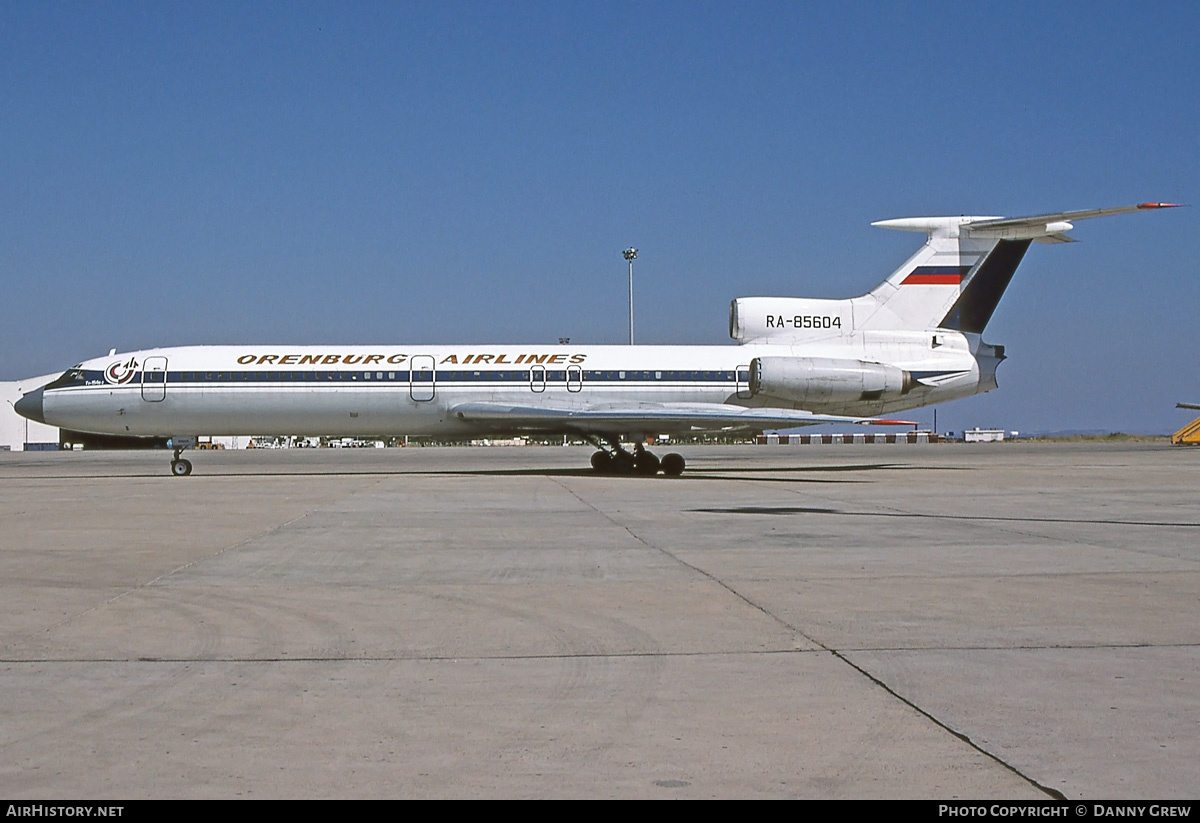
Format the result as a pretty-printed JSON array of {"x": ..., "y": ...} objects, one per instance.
[
  {"x": 982, "y": 290},
  {"x": 953, "y": 282},
  {"x": 920, "y": 293},
  {"x": 956, "y": 280}
]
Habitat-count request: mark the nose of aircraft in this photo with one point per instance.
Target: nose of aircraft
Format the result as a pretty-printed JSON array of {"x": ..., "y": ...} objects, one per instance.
[{"x": 31, "y": 406}]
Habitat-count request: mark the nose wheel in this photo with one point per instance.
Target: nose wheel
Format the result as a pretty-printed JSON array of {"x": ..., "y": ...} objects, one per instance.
[{"x": 179, "y": 466}]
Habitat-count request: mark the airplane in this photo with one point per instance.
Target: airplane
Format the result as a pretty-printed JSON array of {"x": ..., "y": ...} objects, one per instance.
[{"x": 912, "y": 341}]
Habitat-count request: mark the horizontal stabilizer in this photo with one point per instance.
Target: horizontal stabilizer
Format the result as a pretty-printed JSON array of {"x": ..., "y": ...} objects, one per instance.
[
  {"x": 1040, "y": 220},
  {"x": 1041, "y": 227}
]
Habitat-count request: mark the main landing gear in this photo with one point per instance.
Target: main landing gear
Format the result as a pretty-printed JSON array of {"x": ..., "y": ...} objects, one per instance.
[{"x": 614, "y": 459}]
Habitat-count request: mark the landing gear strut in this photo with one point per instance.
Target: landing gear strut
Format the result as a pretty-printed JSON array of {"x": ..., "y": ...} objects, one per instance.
[
  {"x": 612, "y": 458},
  {"x": 180, "y": 467}
]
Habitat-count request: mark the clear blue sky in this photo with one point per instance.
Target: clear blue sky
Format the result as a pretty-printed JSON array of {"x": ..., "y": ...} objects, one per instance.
[{"x": 182, "y": 173}]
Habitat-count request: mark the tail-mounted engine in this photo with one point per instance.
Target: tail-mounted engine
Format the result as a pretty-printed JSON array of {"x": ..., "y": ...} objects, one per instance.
[
  {"x": 814, "y": 381},
  {"x": 790, "y": 319}
]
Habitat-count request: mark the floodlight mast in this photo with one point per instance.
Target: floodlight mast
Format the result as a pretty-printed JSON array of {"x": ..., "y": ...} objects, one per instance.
[{"x": 630, "y": 255}]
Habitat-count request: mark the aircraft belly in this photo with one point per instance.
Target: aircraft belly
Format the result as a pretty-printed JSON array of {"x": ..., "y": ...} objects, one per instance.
[
  {"x": 378, "y": 410},
  {"x": 242, "y": 411}
]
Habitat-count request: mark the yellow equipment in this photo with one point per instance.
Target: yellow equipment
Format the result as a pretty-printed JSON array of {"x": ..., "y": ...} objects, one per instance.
[{"x": 1189, "y": 435}]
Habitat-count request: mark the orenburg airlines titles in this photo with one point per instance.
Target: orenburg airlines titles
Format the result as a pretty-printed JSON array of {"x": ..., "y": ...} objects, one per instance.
[{"x": 483, "y": 359}]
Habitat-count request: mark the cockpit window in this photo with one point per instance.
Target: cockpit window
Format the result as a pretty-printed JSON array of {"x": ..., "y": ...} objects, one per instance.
[{"x": 71, "y": 377}]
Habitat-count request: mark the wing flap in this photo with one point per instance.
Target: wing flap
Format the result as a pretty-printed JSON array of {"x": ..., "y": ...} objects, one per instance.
[{"x": 650, "y": 418}]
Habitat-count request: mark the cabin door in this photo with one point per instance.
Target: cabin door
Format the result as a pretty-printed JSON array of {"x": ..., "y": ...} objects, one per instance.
[
  {"x": 154, "y": 379},
  {"x": 743, "y": 382},
  {"x": 422, "y": 385}
]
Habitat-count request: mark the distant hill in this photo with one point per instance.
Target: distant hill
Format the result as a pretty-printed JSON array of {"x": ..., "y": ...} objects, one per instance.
[{"x": 1093, "y": 436}]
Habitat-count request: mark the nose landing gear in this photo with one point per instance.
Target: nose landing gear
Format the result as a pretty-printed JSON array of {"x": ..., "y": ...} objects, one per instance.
[{"x": 179, "y": 466}]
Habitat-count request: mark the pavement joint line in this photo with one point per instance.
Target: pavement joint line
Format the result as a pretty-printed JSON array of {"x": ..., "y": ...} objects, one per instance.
[
  {"x": 870, "y": 665},
  {"x": 783, "y": 623},
  {"x": 841, "y": 655},
  {"x": 896, "y": 512},
  {"x": 1054, "y": 793},
  {"x": 892, "y": 511},
  {"x": 439, "y": 658},
  {"x": 1001, "y": 576},
  {"x": 837, "y": 654},
  {"x": 417, "y": 658}
]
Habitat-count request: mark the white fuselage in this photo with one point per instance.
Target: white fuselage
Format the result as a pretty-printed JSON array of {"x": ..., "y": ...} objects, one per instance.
[
  {"x": 413, "y": 390},
  {"x": 912, "y": 341}
]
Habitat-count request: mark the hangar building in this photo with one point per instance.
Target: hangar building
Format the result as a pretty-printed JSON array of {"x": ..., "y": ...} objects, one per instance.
[{"x": 17, "y": 433}]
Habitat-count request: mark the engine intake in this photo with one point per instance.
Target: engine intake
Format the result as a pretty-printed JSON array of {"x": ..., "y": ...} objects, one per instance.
[{"x": 823, "y": 380}]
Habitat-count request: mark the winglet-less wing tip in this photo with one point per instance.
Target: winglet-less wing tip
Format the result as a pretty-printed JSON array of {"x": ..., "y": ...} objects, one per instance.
[{"x": 1159, "y": 205}]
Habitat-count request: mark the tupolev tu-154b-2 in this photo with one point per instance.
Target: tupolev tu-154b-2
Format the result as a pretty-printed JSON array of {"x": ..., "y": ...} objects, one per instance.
[{"x": 913, "y": 340}]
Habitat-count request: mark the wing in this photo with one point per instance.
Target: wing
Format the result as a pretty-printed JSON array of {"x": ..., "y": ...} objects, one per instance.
[{"x": 645, "y": 417}]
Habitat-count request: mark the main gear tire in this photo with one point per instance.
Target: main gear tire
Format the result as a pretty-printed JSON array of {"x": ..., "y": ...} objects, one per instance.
[{"x": 673, "y": 465}]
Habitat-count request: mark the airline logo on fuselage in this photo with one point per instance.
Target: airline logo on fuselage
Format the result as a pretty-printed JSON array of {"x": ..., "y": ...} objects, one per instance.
[
  {"x": 120, "y": 373},
  {"x": 482, "y": 359}
]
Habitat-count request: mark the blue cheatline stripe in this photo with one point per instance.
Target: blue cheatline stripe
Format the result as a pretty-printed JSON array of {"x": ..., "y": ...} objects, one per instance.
[
  {"x": 941, "y": 270},
  {"x": 609, "y": 377}
]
